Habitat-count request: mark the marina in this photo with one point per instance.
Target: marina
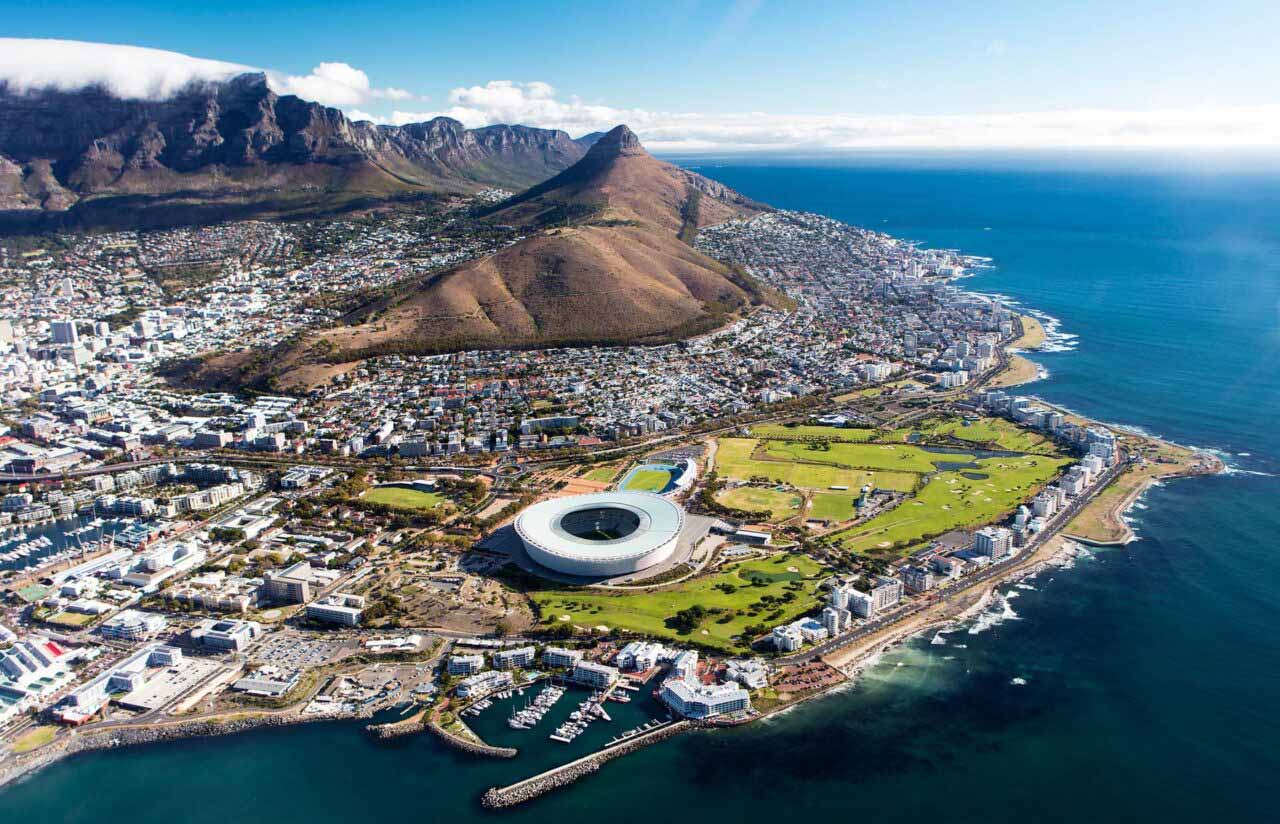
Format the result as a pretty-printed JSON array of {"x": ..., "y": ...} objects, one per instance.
[{"x": 27, "y": 547}]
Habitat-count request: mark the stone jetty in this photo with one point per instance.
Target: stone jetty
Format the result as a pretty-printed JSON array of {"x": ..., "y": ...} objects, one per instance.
[{"x": 497, "y": 798}]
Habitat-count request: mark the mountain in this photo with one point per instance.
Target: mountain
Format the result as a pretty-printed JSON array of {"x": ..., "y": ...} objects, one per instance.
[
  {"x": 604, "y": 263},
  {"x": 223, "y": 149},
  {"x": 588, "y": 140}
]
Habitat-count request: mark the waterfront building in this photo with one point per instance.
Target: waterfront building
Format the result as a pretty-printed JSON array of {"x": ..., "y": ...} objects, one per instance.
[
  {"x": 836, "y": 620},
  {"x": 685, "y": 665},
  {"x": 484, "y": 683},
  {"x": 995, "y": 542},
  {"x": 465, "y": 664},
  {"x": 691, "y": 699},
  {"x": 750, "y": 673},
  {"x": 513, "y": 658},
  {"x": 1044, "y": 504},
  {"x": 591, "y": 674},
  {"x": 127, "y": 676},
  {"x": 560, "y": 657},
  {"x": 639, "y": 656},
  {"x": 918, "y": 579}
]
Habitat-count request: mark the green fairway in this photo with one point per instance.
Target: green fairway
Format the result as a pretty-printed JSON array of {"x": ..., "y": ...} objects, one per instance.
[
  {"x": 833, "y": 506},
  {"x": 648, "y": 480},
  {"x": 892, "y": 457},
  {"x": 786, "y": 588},
  {"x": 771, "y": 503},
  {"x": 994, "y": 432},
  {"x": 951, "y": 501},
  {"x": 768, "y": 431},
  {"x": 403, "y": 498},
  {"x": 733, "y": 460}
]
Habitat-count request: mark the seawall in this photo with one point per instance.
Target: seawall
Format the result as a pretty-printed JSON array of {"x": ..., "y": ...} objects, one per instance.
[
  {"x": 498, "y": 798},
  {"x": 468, "y": 746}
]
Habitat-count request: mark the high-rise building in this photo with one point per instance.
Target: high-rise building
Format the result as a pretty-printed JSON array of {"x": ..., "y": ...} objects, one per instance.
[{"x": 64, "y": 331}]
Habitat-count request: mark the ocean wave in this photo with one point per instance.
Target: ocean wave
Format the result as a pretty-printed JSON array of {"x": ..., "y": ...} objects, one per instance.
[{"x": 995, "y": 615}]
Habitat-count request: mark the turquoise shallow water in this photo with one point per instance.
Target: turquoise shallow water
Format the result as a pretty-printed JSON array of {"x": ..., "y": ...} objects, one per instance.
[{"x": 1138, "y": 685}]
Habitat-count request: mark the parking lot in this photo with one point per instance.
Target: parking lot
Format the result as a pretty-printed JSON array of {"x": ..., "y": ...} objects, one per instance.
[{"x": 293, "y": 652}]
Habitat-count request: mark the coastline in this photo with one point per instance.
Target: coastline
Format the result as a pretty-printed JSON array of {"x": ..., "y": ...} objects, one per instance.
[{"x": 24, "y": 765}]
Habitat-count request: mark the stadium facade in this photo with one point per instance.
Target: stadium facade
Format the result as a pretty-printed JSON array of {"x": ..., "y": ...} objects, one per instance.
[{"x": 601, "y": 535}]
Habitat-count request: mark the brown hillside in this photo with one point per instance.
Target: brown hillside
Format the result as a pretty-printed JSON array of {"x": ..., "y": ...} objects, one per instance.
[{"x": 607, "y": 265}]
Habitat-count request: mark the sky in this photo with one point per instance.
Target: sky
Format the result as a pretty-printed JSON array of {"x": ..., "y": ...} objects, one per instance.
[{"x": 710, "y": 75}]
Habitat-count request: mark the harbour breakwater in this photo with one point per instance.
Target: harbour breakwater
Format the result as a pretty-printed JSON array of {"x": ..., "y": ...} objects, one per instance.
[
  {"x": 470, "y": 747},
  {"x": 498, "y": 798}
]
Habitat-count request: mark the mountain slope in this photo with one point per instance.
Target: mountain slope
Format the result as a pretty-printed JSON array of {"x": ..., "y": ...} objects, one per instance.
[
  {"x": 606, "y": 266},
  {"x": 238, "y": 143}
]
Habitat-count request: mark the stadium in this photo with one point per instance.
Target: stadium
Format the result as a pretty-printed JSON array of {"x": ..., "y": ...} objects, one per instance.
[{"x": 601, "y": 535}]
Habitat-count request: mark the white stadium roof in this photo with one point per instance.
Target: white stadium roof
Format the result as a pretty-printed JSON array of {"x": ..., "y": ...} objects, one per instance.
[{"x": 603, "y": 532}]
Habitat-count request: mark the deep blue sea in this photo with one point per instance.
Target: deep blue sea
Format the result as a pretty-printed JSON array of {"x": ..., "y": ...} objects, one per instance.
[{"x": 1141, "y": 684}]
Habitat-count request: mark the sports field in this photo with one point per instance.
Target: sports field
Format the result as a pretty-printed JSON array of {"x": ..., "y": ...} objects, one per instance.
[
  {"x": 832, "y": 506},
  {"x": 647, "y": 480},
  {"x": 403, "y": 498},
  {"x": 733, "y": 460},
  {"x": 730, "y": 599},
  {"x": 603, "y": 473},
  {"x": 773, "y": 504},
  {"x": 952, "y": 501}
]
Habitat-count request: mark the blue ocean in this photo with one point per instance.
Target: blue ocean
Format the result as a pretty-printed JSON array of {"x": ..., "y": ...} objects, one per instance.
[{"x": 1137, "y": 685}]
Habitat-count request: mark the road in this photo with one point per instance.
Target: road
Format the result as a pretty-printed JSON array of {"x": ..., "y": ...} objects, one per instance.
[{"x": 995, "y": 571}]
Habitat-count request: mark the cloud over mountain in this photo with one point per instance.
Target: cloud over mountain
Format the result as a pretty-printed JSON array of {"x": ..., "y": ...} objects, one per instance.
[
  {"x": 136, "y": 72},
  {"x": 127, "y": 71}
]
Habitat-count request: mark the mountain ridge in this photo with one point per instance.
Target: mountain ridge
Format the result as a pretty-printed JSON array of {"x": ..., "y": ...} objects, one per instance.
[{"x": 237, "y": 142}]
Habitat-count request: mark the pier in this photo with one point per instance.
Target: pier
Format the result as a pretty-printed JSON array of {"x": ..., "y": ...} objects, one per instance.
[{"x": 498, "y": 798}]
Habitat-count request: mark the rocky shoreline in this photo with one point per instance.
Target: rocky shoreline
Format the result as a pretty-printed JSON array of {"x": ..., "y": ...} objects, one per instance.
[
  {"x": 470, "y": 747},
  {"x": 91, "y": 741}
]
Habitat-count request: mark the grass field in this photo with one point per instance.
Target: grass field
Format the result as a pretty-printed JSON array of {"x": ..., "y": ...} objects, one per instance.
[
  {"x": 404, "y": 498},
  {"x": 733, "y": 460},
  {"x": 648, "y": 480},
  {"x": 731, "y": 598},
  {"x": 835, "y": 433},
  {"x": 997, "y": 432},
  {"x": 952, "y": 501},
  {"x": 833, "y": 506},
  {"x": 603, "y": 473},
  {"x": 891, "y": 457},
  {"x": 34, "y": 738},
  {"x": 71, "y": 619},
  {"x": 776, "y": 505}
]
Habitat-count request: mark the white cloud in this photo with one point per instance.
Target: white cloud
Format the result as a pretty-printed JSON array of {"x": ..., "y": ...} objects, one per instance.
[
  {"x": 127, "y": 71},
  {"x": 536, "y": 104},
  {"x": 136, "y": 72},
  {"x": 335, "y": 84}
]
